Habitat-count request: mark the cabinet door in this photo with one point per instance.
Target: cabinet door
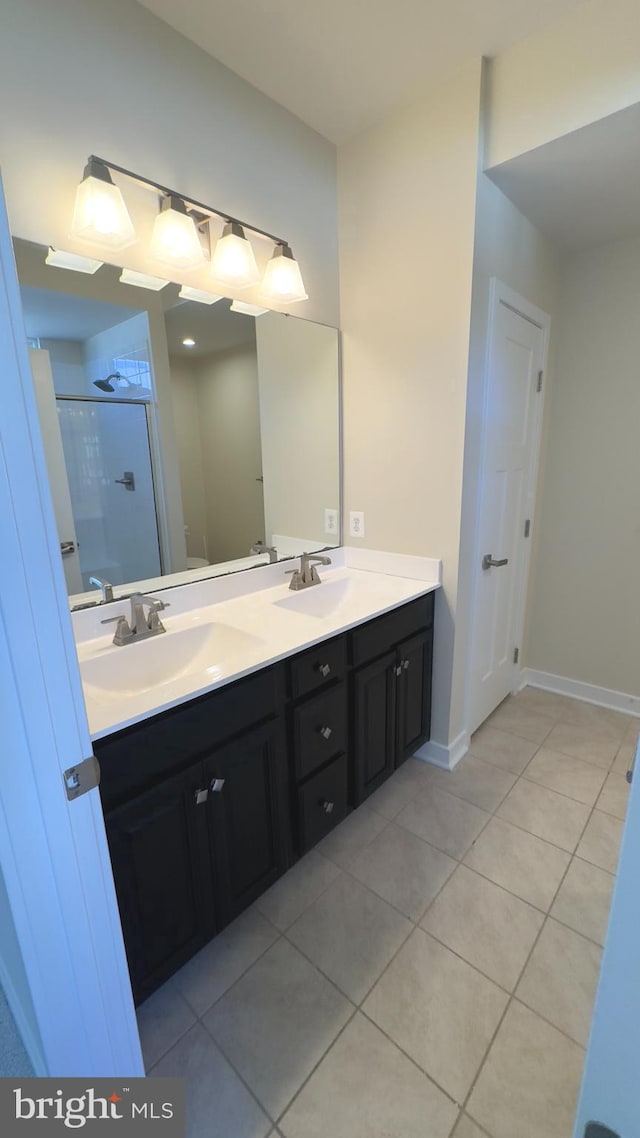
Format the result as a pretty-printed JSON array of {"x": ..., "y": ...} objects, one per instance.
[
  {"x": 414, "y": 694},
  {"x": 374, "y": 711},
  {"x": 161, "y": 866},
  {"x": 247, "y": 817}
]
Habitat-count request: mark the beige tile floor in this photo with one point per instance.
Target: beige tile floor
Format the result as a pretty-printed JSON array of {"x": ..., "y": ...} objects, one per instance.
[{"x": 428, "y": 971}]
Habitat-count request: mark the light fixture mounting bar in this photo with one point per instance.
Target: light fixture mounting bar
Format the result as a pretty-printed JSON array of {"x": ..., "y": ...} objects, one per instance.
[{"x": 165, "y": 191}]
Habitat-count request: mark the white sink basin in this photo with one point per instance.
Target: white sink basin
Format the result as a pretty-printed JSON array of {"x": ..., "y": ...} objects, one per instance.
[
  {"x": 136, "y": 668},
  {"x": 321, "y": 600}
]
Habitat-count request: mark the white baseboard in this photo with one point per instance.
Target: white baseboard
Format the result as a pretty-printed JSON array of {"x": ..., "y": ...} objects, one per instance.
[
  {"x": 590, "y": 693},
  {"x": 30, "y": 1040},
  {"x": 442, "y": 755}
]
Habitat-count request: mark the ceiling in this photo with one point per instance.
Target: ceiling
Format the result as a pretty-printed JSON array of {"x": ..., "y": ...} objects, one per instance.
[
  {"x": 52, "y": 315},
  {"x": 340, "y": 65},
  {"x": 581, "y": 189},
  {"x": 213, "y": 327}
]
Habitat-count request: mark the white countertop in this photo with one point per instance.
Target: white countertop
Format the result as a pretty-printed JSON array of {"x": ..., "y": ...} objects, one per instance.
[{"x": 214, "y": 637}]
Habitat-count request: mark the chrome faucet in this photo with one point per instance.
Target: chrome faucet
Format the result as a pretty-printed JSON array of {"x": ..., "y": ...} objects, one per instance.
[
  {"x": 260, "y": 547},
  {"x": 105, "y": 588},
  {"x": 307, "y": 574},
  {"x": 141, "y": 625}
]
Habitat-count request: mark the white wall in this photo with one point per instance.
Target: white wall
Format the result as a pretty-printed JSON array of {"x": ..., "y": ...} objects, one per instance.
[
  {"x": 584, "y": 66},
  {"x": 229, "y": 422},
  {"x": 113, "y": 80},
  {"x": 510, "y": 248},
  {"x": 584, "y": 617},
  {"x": 299, "y": 393},
  {"x": 186, "y": 418},
  {"x": 67, "y": 366},
  {"x": 407, "y": 210}
]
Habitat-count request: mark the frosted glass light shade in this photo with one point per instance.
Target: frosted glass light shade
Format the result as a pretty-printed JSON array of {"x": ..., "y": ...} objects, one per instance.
[
  {"x": 62, "y": 260},
  {"x": 142, "y": 280},
  {"x": 100, "y": 214},
  {"x": 175, "y": 239},
  {"x": 247, "y": 309},
  {"x": 199, "y": 295},
  {"x": 233, "y": 260},
  {"x": 282, "y": 281}
]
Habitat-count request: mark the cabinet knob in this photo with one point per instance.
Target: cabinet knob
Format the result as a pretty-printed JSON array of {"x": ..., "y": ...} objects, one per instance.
[
  {"x": 324, "y": 669},
  {"x": 398, "y": 670},
  {"x": 405, "y": 664},
  {"x": 326, "y": 732},
  {"x": 216, "y": 785},
  {"x": 201, "y": 796},
  {"x": 327, "y": 806}
]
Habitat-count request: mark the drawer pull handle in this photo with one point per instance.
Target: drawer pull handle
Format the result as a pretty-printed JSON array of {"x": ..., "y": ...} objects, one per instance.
[
  {"x": 324, "y": 669},
  {"x": 326, "y": 732},
  {"x": 201, "y": 797},
  {"x": 217, "y": 785},
  {"x": 327, "y": 806}
]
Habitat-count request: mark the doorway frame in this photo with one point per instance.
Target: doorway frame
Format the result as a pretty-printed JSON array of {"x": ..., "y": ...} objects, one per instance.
[{"x": 501, "y": 293}]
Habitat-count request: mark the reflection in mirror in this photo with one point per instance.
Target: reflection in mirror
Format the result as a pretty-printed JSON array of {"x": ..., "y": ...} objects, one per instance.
[{"x": 182, "y": 439}]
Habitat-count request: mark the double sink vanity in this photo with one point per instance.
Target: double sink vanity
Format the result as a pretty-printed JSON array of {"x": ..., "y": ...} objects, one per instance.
[{"x": 235, "y": 741}]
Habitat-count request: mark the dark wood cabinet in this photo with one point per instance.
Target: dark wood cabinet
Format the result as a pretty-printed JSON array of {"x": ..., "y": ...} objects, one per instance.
[
  {"x": 160, "y": 857},
  {"x": 247, "y": 817},
  {"x": 207, "y": 804}
]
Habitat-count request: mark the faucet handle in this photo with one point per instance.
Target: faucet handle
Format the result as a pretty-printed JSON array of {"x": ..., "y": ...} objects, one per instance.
[{"x": 123, "y": 631}]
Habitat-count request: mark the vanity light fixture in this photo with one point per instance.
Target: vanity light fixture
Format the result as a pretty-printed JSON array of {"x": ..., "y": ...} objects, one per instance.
[
  {"x": 100, "y": 214},
  {"x": 282, "y": 281},
  {"x": 199, "y": 295},
  {"x": 142, "y": 280},
  {"x": 247, "y": 309},
  {"x": 175, "y": 239},
  {"x": 233, "y": 260},
  {"x": 72, "y": 261}
]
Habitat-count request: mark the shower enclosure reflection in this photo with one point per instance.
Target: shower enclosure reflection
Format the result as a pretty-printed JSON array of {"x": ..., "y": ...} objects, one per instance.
[{"x": 175, "y": 431}]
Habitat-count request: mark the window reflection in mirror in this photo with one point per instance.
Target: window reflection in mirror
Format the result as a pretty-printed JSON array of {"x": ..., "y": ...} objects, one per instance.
[{"x": 182, "y": 440}]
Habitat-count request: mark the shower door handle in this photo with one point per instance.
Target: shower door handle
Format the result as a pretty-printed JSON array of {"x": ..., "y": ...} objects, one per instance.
[{"x": 128, "y": 480}]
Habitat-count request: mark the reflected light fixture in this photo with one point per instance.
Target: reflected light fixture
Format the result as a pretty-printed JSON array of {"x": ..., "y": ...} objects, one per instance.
[
  {"x": 247, "y": 309},
  {"x": 73, "y": 261},
  {"x": 142, "y": 280},
  {"x": 233, "y": 258},
  {"x": 199, "y": 295},
  {"x": 282, "y": 281},
  {"x": 188, "y": 342},
  {"x": 175, "y": 239},
  {"x": 100, "y": 214}
]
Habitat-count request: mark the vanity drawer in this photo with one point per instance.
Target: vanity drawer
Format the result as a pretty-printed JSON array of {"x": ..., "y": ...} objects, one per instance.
[
  {"x": 322, "y": 803},
  {"x": 319, "y": 730},
  {"x": 138, "y": 757},
  {"x": 319, "y": 665},
  {"x": 379, "y": 635}
]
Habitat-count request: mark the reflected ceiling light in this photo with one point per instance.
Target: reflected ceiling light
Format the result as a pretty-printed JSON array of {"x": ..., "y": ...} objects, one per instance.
[
  {"x": 188, "y": 342},
  {"x": 142, "y": 280},
  {"x": 73, "y": 261},
  {"x": 247, "y": 309},
  {"x": 175, "y": 239},
  {"x": 233, "y": 258},
  {"x": 282, "y": 281},
  {"x": 100, "y": 214},
  {"x": 199, "y": 295}
]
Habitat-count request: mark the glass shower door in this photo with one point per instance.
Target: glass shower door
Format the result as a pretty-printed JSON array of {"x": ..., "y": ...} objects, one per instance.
[{"x": 108, "y": 461}]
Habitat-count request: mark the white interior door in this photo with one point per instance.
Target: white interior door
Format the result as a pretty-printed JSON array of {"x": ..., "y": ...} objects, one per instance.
[
  {"x": 509, "y": 461},
  {"x": 54, "y": 454}
]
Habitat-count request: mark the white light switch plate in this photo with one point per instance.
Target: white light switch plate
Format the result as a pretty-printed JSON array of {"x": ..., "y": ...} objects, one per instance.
[{"x": 356, "y": 523}]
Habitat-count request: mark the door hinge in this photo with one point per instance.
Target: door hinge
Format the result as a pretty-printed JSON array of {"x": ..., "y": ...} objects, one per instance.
[
  {"x": 539, "y": 387},
  {"x": 516, "y": 653},
  {"x": 527, "y": 527},
  {"x": 81, "y": 778}
]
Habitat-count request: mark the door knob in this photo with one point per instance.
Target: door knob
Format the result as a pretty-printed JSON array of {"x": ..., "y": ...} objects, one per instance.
[{"x": 489, "y": 563}]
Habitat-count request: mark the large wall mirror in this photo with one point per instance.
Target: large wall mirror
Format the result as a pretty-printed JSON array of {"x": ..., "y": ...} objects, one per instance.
[{"x": 183, "y": 439}]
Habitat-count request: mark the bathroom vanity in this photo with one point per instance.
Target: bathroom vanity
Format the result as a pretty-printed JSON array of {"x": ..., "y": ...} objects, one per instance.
[{"x": 209, "y": 802}]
